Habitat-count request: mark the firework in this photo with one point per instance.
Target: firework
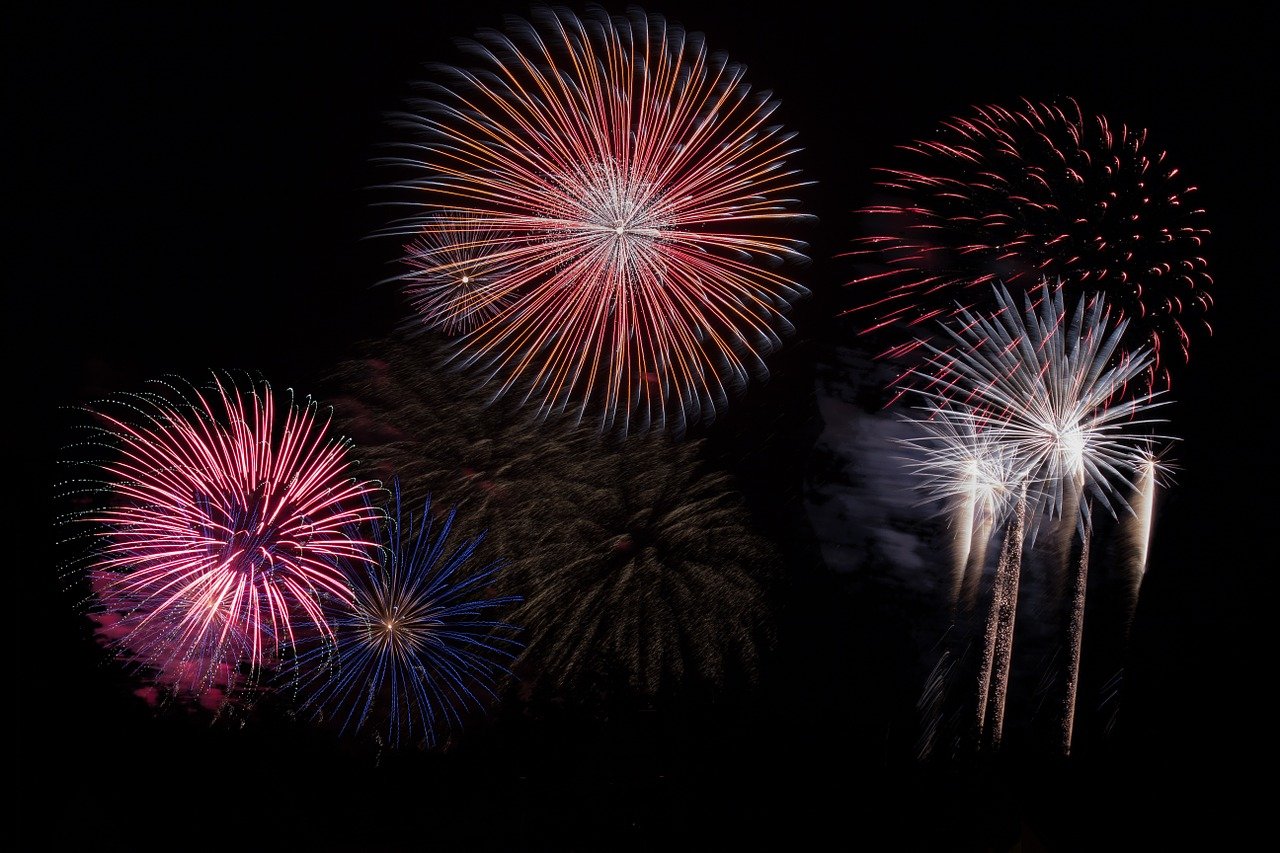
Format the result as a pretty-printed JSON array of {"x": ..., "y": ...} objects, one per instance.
[
  {"x": 457, "y": 273},
  {"x": 1049, "y": 382},
  {"x": 1040, "y": 390},
  {"x": 1017, "y": 195},
  {"x": 643, "y": 200},
  {"x": 222, "y": 526},
  {"x": 640, "y": 571},
  {"x": 417, "y": 646}
]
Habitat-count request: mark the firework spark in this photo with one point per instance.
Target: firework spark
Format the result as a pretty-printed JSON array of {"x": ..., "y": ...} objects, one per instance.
[
  {"x": 1040, "y": 191},
  {"x": 418, "y": 646},
  {"x": 644, "y": 200},
  {"x": 222, "y": 527}
]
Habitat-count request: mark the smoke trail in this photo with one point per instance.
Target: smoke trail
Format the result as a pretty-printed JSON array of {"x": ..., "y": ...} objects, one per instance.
[{"x": 977, "y": 560}]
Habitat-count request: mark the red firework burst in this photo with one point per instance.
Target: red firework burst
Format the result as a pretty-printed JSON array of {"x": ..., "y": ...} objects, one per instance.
[
  {"x": 640, "y": 192},
  {"x": 1044, "y": 192},
  {"x": 224, "y": 525}
]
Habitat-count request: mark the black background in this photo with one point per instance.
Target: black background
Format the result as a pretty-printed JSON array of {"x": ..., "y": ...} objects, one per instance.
[{"x": 192, "y": 194}]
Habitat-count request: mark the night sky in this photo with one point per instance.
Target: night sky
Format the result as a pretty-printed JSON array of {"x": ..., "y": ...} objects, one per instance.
[{"x": 194, "y": 193}]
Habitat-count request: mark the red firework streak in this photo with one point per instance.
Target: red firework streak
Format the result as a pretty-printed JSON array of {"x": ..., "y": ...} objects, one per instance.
[
  {"x": 644, "y": 202},
  {"x": 224, "y": 526},
  {"x": 1023, "y": 196}
]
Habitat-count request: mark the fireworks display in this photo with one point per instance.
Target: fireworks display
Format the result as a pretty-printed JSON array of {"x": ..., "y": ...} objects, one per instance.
[
  {"x": 644, "y": 205},
  {"x": 736, "y": 422},
  {"x": 222, "y": 527},
  {"x": 418, "y": 646},
  {"x": 1042, "y": 191},
  {"x": 638, "y": 569}
]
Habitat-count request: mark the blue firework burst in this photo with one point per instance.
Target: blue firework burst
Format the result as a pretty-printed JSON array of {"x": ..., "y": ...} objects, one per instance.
[{"x": 421, "y": 642}]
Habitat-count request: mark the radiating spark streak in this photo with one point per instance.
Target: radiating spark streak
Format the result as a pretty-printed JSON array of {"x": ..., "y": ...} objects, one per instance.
[{"x": 1048, "y": 381}]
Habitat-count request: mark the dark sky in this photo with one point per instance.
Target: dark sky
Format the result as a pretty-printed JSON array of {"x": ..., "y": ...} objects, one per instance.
[{"x": 192, "y": 194}]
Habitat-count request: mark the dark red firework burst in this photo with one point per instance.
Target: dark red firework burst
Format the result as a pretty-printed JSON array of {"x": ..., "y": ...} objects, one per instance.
[{"x": 1023, "y": 195}]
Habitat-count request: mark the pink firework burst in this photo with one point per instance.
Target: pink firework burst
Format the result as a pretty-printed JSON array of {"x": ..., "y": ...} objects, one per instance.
[
  {"x": 1019, "y": 196},
  {"x": 225, "y": 524},
  {"x": 645, "y": 203}
]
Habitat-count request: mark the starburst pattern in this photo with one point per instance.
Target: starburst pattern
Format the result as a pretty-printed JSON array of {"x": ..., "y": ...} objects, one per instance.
[
  {"x": 222, "y": 527},
  {"x": 639, "y": 572},
  {"x": 457, "y": 268},
  {"x": 645, "y": 199},
  {"x": 1050, "y": 383},
  {"x": 419, "y": 646}
]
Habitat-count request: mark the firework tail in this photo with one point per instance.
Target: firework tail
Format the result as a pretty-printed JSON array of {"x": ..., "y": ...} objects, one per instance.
[
  {"x": 961, "y": 545},
  {"x": 1007, "y": 597},
  {"x": 1139, "y": 533},
  {"x": 1067, "y": 525},
  {"x": 967, "y": 595},
  {"x": 997, "y": 640},
  {"x": 1075, "y": 639}
]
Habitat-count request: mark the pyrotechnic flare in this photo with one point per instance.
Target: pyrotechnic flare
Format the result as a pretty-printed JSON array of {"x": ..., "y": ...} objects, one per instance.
[
  {"x": 419, "y": 645},
  {"x": 1152, "y": 473},
  {"x": 1045, "y": 190},
  {"x": 221, "y": 528},
  {"x": 645, "y": 203},
  {"x": 998, "y": 642}
]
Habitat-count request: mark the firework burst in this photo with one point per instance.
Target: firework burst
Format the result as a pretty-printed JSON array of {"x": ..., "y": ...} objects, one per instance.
[
  {"x": 1031, "y": 397},
  {"x": 457, "y": 272},
  {"x": 972, "y": 471},
  {"x": 1017, "y": 195},
  {"x": 1050, "y": 382},
  {"x": 644, "y": 202},
  {"x": 417, "y": 646},
  {"x": 425, "y": 424},
  {"x": 640, "y": 573},
  {"x": 223, "y": 525}
]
